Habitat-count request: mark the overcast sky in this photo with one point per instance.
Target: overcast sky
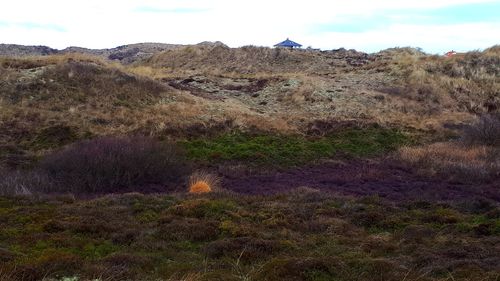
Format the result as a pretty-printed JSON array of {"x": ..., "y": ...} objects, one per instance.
[{"x": 434, "y": 25}]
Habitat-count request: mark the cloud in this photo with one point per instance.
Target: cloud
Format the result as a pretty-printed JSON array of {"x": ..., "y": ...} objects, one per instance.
[
  {"x": 457, "y": 14},
  {"x": 32, "y": 25},
  {"x": 360, "y": 24},
  {"x": 432, "y": 38},
  {"x": 177, "y": 10}
]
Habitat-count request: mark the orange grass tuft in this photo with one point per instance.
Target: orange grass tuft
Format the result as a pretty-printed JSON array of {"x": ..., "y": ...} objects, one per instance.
[
  {"x": 200, "y": 187},
  {"x": 202, "y": 182}
]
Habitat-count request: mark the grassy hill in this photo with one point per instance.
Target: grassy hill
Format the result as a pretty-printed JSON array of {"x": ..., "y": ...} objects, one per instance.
[
  {"x": 250, "y": 88},
  {"x": 320, "y": 165}
]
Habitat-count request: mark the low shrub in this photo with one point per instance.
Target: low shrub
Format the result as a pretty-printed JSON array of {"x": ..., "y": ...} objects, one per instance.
[
  {"x": 110, "y": 164},
  {"x": 486, "y": 131}
]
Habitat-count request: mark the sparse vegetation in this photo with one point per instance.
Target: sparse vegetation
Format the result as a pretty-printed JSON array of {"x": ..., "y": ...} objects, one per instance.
[{"x": 335, "y": 165}]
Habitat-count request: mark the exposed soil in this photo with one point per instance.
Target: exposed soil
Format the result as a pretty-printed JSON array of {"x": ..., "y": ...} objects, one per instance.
[{"x": 364, "y": 179}]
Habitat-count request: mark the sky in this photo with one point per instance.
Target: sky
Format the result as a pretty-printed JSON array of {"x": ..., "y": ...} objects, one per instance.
[{"x": 436, "y": 26}]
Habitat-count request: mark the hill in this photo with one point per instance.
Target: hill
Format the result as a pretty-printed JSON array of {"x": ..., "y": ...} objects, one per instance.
[
  {"x": 173, "y": 91},
  {"x": 316, "y": 165},
  {"x": 125, "y": 54}
]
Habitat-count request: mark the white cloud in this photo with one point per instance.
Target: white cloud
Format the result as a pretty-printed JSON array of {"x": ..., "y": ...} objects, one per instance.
[
  {"x": 432, "y": 38},
  {"x": 98, "y": 23}
]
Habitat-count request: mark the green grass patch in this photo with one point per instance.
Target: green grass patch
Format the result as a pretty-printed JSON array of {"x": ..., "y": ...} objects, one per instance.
[{"x": 294, "y": 150}]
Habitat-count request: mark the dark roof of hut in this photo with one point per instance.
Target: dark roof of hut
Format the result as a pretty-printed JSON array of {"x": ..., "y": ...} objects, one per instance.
[{"x": 288, "y": 43}]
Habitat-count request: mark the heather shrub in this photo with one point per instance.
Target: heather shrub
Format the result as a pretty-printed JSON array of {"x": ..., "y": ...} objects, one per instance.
[
  {"x": 110, "y": 164},
  {"x": 486, "y": 131}
]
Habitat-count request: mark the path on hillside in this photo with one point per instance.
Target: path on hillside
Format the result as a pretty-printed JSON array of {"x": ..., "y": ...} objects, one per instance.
[{"x": 363, "y": 179}]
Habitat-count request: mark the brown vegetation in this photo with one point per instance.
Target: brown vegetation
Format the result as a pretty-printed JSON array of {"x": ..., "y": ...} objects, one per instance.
[
  {"x": 313, "y": 126},
  {"x": 465, "y": 82},
  {"x": 475, "y": 158},
  {"x": 454, "y": 161}
]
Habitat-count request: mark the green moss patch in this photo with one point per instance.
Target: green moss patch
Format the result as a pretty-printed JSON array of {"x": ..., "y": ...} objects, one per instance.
[{"x": 294, "y": 150}]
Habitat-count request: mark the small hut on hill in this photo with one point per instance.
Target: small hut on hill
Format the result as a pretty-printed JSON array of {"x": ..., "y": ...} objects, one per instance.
[{"x": 288, "y": 44}]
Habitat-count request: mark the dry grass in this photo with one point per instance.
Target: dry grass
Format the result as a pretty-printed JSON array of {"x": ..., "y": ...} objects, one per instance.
[
  {"x": 465, "y": 82},
  {"x": 95, "y": 97},
  {"x": 247, "y": 60},
  {"x": 29, "y": 62},
  {"x": 188, "y": 277},
  {"x": 203, "y": 182},
  {"x": 454, "y": 160}
]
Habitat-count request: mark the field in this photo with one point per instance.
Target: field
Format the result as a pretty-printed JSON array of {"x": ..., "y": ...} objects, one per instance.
[{"x": 210, "y": 163}]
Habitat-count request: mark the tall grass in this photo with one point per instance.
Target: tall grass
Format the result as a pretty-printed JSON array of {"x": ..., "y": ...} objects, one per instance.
[
  {"x": 454, "y": 161},
  {"x": 23, "y": 182},
  {"x": 467, "y": 82},
  {"x": 475, "y": 157}
]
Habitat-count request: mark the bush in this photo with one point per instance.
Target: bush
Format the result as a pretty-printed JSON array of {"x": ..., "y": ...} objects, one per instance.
[
  {"x": 109, "y": 164},
  {"x": 485, "y": 131}
]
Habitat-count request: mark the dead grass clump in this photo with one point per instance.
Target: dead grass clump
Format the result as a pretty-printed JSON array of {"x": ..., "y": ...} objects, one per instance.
[
  {"x": 458, "y": 162},
  {"x": 20, "y": 183},
  {"x": 202, "y": 182}
]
